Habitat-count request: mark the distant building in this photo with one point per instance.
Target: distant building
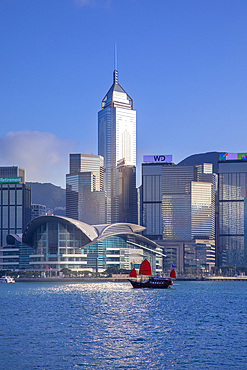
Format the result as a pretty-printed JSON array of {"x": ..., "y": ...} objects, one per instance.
[
  {"x": 116, "y": 141},
  {"x": 15, "y": 202},
  {"x": 232, "y": 194},
  {"x": 37, "y": 210},
  {"x": 85, "y": 198}
]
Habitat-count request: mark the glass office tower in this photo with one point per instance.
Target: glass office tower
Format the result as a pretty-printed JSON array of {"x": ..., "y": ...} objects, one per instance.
[
  {"x": 116, "y": 141},
  {"x": 89, "y": 163},
  {"x": 15, "y": 202},
  {"x": 178, "y": 201},
  {"x": 232, "y": 192},
  {"x": 127, "y": 194},
  {"x": 85, "y": 198},
  {"x": 152, "y": 199},
  {"x": 188, "y": 207}
]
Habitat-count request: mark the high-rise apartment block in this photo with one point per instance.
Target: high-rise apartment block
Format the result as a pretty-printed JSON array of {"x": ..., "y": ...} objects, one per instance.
[
  {"x": 116, "y": 142},
  {"x": 85, "y": 198},
  {"x": 15, "y": 202}
]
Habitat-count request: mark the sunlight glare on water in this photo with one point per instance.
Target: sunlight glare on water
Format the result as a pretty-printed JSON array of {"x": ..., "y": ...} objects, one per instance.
[{"x": 113, "y": 326}]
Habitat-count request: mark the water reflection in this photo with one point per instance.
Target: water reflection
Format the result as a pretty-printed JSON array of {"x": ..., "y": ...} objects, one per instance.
[{"x": 113, "y": 326}]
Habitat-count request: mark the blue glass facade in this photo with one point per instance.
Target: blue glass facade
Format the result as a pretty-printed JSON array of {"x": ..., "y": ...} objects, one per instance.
[
  {"x": 120, "y": 251},
  {"x": 56, "y": 244},
  {"x": 232, "y": 192}
]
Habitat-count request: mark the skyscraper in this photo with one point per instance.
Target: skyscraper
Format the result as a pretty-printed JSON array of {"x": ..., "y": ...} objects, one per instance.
[
  {"x": 232, "y": 195},
  {"x": 85, "y": 198},
  {"x": 178, "y": 205},
  {"x": 188, "y": 202},
  {"x": 189, "y": 215},
  {"x": 89, "y": 163},
  {"x": 127, "y": 194},
  {"x": 116, "y": 141},
  {"x": 15, "y": 202}
]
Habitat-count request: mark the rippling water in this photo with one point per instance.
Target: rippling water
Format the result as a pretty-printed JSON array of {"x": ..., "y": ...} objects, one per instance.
[{"x": 113, "y": 326}]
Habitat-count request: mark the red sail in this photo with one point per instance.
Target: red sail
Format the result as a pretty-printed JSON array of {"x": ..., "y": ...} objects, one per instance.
[
  {"x": 173, "y": 274},
  {"x": 145, "y": 268},
  {"x": 133, "y": 273}
]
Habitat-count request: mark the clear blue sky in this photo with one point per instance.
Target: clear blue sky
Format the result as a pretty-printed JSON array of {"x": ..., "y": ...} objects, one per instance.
[{"x": 184, "y": 63}]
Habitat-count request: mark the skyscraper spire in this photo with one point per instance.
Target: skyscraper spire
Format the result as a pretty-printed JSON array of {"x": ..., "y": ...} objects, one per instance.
[
  {"x": 117, "y": 144},
  {"x": 116, "y": 90},
  {"x": 115, "y": 73}
]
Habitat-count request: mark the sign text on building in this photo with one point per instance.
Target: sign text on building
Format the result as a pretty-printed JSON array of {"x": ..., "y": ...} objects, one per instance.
[
  {"x": 232, "y": 156},
  {"x": 9, "y": 180},
  {"x": 157, "y": 158}
]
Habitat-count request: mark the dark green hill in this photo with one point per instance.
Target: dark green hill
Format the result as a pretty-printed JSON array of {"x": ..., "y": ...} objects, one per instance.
[
  {"x": 52, "y": 196},
  {"x": 210, "y": 157}
]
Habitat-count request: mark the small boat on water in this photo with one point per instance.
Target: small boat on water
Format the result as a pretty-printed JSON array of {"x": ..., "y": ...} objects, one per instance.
[
  {"x": 146, "y": 280},
  {"x": 7, "y": 279}
]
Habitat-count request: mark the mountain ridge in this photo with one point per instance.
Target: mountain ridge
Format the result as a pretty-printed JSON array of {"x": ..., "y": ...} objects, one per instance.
[{"x": 52, "y": 196}]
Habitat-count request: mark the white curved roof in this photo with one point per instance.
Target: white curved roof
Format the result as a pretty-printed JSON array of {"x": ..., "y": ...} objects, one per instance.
[
  {"x": 89, "y": 230},
  {"x": 108, "y": 229},
  {"x": 93, "y": 232}
]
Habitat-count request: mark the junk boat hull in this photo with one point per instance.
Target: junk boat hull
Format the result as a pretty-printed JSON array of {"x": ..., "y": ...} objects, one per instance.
[{"x": 152, "y": 282}]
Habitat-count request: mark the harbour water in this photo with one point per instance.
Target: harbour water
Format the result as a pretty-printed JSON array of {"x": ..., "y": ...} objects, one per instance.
[{"x": 198, "y": 324}]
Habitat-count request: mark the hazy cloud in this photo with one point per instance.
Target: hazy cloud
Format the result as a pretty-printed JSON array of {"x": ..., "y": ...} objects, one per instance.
[{"x": 43, "y": 155}]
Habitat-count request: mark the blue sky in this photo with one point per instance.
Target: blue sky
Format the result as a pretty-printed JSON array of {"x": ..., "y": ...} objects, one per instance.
[{"x": 182, "y": 61}]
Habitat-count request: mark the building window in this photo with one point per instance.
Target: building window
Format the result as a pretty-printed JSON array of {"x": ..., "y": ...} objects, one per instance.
[
  {"x": 19, "y": 217},
  {"x": 5, "y": 197}
]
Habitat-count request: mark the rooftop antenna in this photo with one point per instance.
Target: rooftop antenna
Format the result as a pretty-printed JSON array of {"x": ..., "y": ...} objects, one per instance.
[{"x": 115, "y": 73}]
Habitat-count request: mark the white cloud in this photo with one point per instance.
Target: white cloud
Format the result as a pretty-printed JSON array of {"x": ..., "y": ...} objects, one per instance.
[{"x": 44, "y": 156}]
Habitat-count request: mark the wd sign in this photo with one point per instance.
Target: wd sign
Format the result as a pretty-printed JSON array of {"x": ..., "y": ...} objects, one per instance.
[{"x": 157, "y": 158}]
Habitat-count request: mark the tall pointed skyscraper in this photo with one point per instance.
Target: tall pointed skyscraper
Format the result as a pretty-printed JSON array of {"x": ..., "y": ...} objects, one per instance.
[{"x": 116, "y": 142}]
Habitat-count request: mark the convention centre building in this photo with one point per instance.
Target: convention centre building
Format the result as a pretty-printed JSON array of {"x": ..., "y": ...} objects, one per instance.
[{"x": 58, "y": 242}]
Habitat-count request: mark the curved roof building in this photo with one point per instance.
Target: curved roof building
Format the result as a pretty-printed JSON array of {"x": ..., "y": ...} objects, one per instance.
[{"x": 60, "y": 242}]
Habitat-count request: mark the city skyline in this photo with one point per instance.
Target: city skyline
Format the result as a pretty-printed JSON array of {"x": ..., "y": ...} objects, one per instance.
[{"x": 184, "y": 65}]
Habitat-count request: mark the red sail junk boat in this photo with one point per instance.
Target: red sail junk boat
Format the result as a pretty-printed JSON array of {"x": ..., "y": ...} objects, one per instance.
[{"x": 146, "y": 280}]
